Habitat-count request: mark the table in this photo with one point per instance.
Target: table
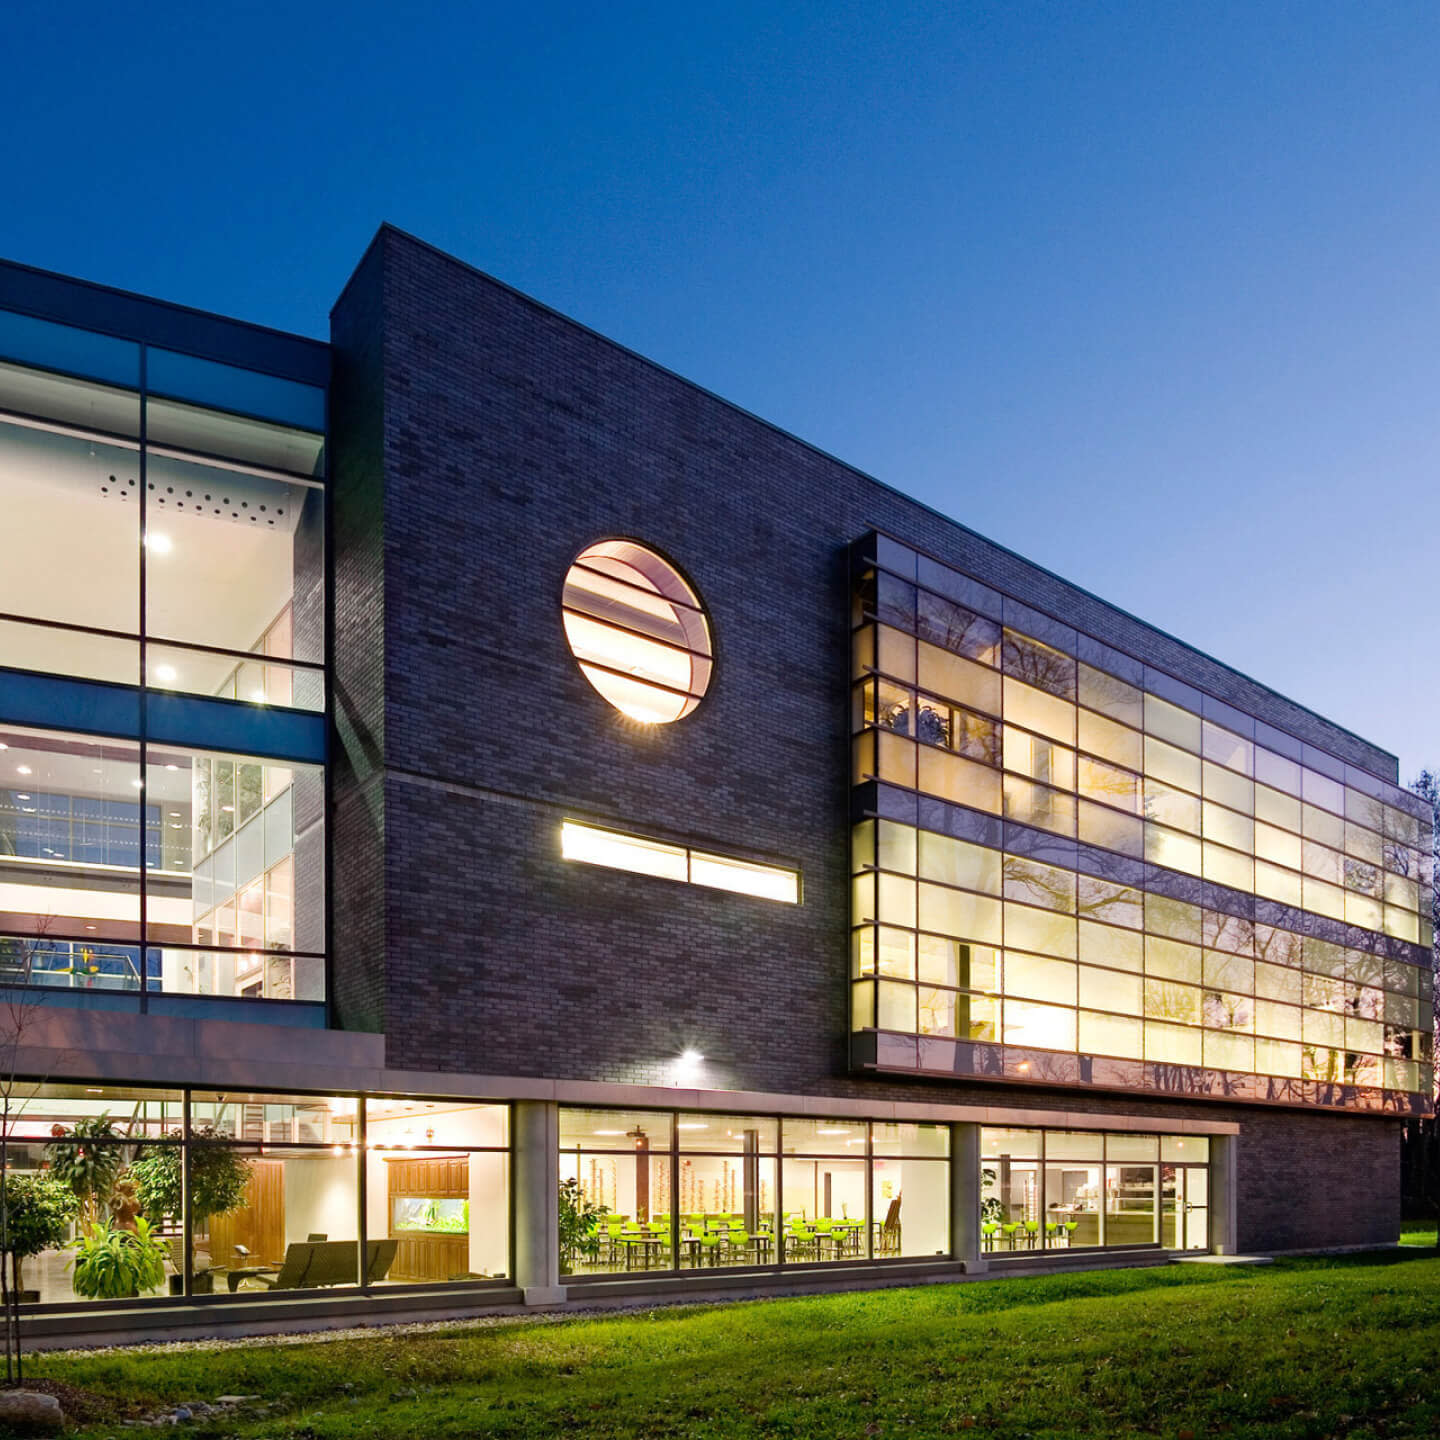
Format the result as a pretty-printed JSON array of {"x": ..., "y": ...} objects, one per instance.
[
  {"x": 646, "y": 1242},
  {"x": 248, "y": 1272}
]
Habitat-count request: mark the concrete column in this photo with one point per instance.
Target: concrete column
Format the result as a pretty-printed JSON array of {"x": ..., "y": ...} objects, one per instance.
[
  {"x": 535, "y": 1147},
  {"x": 965, "y": 1198},
  {"x": 1224, "y": 1168}
]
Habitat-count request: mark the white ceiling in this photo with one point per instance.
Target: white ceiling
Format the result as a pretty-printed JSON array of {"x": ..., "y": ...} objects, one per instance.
[{"x": 71, "y": 524}]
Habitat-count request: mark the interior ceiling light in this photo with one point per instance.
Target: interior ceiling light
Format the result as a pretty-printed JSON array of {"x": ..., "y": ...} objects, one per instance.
[
  {"x": 23, "y": 770},
  {"x": 638, "y": 630},
  {"x": 165, "y": 673},
  {"x": 160, "y": 544}
]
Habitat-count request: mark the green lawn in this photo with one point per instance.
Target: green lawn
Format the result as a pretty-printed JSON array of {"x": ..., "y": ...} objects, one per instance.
[
  {"x": 1417, "y": 1232},
  {"x": 1349, "y": 1347}
]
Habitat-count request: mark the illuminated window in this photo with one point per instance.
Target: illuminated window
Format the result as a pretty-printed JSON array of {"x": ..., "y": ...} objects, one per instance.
[
  {"x": 638, "y": 631},
  {"x": 592, "y": 846}
]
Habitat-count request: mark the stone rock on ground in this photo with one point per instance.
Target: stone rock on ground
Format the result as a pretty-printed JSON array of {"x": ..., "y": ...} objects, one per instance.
[{"x": 27, "y": 1412}]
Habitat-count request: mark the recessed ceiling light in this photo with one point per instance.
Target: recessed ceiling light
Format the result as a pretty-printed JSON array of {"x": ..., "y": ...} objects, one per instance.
[
  {"x": 172, "y": 767},
  {"x": 23, "y": 770},
  {"x": 258, "y": 695},
  {"x": 160, "y": 544},
  {"x": 138, "y": 784},
  {"x": 3, "y": 745},
  {"x": 165, "y": 673},
  {"x": 22, "y": 797},
  {"x": 228, "y": 809}
]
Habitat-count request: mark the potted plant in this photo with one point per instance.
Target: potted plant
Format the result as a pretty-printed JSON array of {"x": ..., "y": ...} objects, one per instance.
[
  {"x": 578, "y": 1220},
  {"x": 115, "y": 1264},
  {"x": 87, "y": 1159},
  {"x": 39, "y": 1211},
  {"x": 219, "y": 1175}
]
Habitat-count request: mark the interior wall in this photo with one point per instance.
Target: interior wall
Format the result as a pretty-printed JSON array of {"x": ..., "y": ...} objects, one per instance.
[{"x": 320, "y": 1197}]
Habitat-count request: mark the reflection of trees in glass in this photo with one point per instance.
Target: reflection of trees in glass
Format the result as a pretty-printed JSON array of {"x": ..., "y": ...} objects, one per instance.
[
  {"x": 1361, "y": 875},
  {"x": 1104, "y": 900},
  {"x": 1227, "y": 932},
  {"x": 1039, "y": 665},
  {"x": 1035, "y": 883},
  {"x": 957, "y": 629},
  {"x": 1222, "y": 1011}
]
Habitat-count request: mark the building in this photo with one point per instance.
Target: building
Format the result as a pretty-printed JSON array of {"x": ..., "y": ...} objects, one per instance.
[{"x": 464, "y": 758}]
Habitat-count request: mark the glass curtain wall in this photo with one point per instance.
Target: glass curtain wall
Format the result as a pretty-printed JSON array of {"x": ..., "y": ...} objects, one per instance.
[
  {"x": 168, "y": 535},
  {"x": 274, "y": 1190},
  {"x": 216, "y": 862},
  {"x": 994, "y": 933},
  {"x": 1073, "y": 1190},
  {"x": 657, "y": 1189}
]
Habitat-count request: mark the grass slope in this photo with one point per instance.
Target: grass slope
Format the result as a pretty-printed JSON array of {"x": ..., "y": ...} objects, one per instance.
[{"x": 1349, "y": 1347}]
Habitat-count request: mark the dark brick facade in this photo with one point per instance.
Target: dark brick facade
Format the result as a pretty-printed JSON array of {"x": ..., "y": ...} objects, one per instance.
[{"x": 480, "y": 442}]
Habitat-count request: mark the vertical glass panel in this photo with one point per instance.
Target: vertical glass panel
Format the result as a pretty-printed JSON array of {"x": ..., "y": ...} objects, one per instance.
[
  {"x": 1073, "y": 1191},
  {"x": 824, "y": 1205},
  {"x": 74, "y": 827},
  {"x": 230, "y": 555},
  {"x": 1011, "y": 1191},
  {"x": 1131, "y": 1206},
  {"x": 619, "y": 1162},
  {"x": 55, "y": 484},
  {"x": 297, "y": 1226},
  {"x": 241, "y": 869},
  {"x": 910, "y": 1203}
]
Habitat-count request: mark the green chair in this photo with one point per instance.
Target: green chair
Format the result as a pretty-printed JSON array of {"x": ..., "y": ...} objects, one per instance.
[
  {"x": 1008, "y": 1230},
  {"x": 1071, "y": 1226},
  {"x": 1032, "y": 1231},
  {"x": 1052, "y": 1233},
  {"x": 989, "y": 1231},
  {"x": 710, "y": 1243}
]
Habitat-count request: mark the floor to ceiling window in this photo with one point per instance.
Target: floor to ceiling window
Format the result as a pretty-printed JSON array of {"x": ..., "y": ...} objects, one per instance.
[{"x": 165, "y": 523}]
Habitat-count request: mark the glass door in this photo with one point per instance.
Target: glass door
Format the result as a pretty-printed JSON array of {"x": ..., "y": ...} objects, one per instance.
[{"x": 1185, "y": 1207}]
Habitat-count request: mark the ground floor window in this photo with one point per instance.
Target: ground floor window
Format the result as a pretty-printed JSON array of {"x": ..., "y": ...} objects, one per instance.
[
  {"x": 674, "y": 1190},
  {"x": 1071, "y": 1190},
  {"x": 293, "y": 1193}
]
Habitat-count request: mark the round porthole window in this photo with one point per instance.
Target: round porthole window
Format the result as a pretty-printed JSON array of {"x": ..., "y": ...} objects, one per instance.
[{"x": 638, "y": 631}]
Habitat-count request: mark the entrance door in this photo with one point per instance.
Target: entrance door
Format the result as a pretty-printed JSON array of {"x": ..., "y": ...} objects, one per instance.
[{"x": 1185, "y": 1212}]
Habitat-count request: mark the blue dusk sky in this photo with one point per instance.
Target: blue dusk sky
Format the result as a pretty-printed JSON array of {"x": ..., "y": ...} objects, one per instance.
[{"x": 1147, "y": 292}]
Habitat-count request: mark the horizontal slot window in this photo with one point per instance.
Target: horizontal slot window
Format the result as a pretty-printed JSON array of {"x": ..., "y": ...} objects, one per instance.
[{"x": 590, "y": 845}]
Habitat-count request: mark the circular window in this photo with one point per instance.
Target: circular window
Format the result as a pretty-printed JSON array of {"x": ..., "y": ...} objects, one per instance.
[{"x": 638, "y": 631}]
